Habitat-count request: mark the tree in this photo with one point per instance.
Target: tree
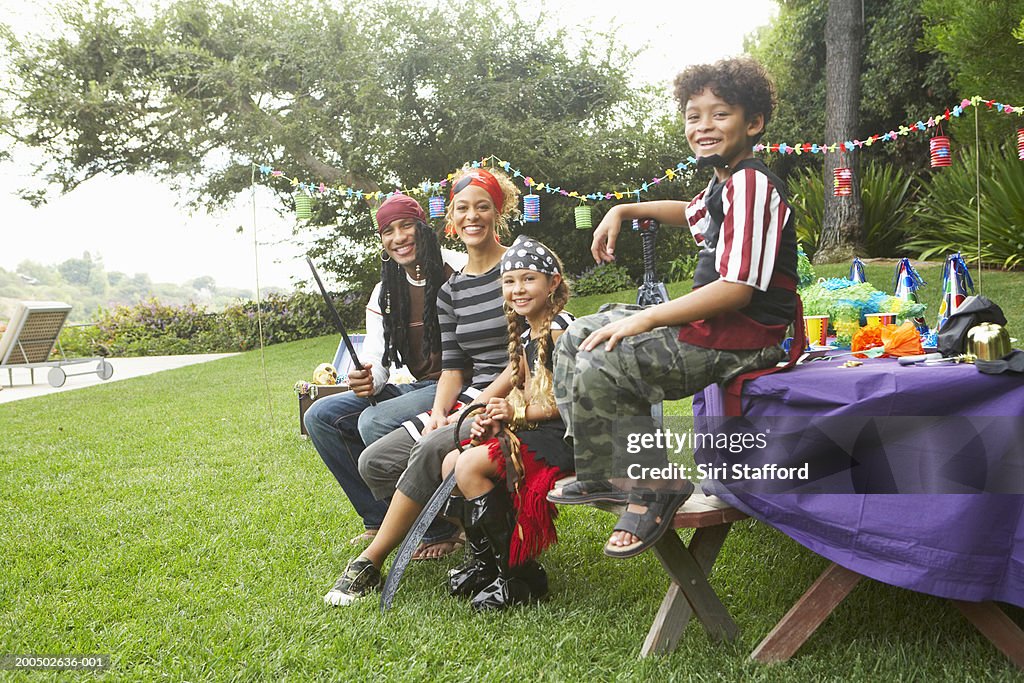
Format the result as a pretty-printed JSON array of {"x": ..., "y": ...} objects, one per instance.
[
  {"x": 372, "y": 96},
  {"x": 77, "y": 271},
  {"x": 899, "y": 82},
  {"x": 841, "y": 230},
  {"x": 982, "y": 42}
]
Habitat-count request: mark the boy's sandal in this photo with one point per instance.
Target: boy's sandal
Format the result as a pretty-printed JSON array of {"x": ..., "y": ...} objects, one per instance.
[
  {"x": 649, "y": 524},
  {"x": 454, "y": 544},
  {"x": 583, "y": 492}
]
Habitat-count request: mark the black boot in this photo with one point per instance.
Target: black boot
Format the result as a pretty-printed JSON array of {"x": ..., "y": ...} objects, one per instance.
[
  {"x": 513, "y": 585},
  {"x": 479, "y": 568}
]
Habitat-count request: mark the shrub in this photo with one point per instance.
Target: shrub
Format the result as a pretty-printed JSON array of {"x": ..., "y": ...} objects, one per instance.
[
  {"x": 603, "y": 279},
  {"x": 682, "y": 268},
  {"x": 150, "y": 328},
  {"x": 947, "y": 215},
  {"x": 887, "y": 193}
]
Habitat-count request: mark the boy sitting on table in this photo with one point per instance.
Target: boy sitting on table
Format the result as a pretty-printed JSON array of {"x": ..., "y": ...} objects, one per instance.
[{"x": 613, "y": 365}]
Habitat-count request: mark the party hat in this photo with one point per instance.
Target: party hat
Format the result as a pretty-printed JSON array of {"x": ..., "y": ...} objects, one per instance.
[
  {"x": 956, "y": 286},
  {"x": 857, "y": 270},
  {"x": 906, "y": 283}
]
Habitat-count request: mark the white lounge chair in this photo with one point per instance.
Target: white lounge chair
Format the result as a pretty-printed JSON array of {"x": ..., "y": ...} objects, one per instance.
[{"x": 30, "y": 338}]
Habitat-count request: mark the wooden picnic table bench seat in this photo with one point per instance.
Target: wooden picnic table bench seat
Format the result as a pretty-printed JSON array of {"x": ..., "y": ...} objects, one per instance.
[{"x": 688, "y": 566}]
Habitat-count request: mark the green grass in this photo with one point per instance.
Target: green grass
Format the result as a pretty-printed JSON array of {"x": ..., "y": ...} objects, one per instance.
[{"x": 178, "y": 523}]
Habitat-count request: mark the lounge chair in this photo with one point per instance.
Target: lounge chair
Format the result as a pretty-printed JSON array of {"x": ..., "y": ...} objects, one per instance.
[{"x": 30, "y": 338}]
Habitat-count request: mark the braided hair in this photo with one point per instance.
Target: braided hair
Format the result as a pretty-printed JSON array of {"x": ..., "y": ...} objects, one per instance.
[{"x": 394, "y": 299}]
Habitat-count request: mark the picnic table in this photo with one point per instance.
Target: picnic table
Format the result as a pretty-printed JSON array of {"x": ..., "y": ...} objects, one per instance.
[{"x": 965, "y": 547}]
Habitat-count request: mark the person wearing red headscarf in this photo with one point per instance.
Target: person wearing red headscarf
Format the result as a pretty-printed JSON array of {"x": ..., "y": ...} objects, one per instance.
[{"x": 401, "y": 330}]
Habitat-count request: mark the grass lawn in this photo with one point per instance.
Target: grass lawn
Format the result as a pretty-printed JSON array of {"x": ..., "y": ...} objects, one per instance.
[{"x": 180, "y": 524}]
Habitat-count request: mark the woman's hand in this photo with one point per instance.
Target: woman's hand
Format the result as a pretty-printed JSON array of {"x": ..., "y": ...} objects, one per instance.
[
  {"x": 434, "y": 421},
  {"x": 614, "y": 332}
]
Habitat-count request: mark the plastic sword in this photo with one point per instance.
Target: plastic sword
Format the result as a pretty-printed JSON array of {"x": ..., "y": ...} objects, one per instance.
[{"x": 337, "y": 321}]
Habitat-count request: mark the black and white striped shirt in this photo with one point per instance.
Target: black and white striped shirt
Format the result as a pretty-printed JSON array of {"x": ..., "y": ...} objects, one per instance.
[{"x": 474, "y": 332}]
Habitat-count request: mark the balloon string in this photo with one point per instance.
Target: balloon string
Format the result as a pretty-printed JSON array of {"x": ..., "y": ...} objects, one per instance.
[
  {"x": 977, "y": 188},
  {"x": 259, "y": 301}
]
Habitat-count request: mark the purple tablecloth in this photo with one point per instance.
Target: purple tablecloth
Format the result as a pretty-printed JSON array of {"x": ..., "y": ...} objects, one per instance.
[{"x": 965, "y": 546}]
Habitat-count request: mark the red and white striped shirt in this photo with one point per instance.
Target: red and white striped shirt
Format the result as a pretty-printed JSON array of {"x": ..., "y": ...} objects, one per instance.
[{"x": 748, "y": 240}]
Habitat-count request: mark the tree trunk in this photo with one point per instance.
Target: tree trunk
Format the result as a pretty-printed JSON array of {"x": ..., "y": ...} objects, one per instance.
[{"x": 841, "y": 233}]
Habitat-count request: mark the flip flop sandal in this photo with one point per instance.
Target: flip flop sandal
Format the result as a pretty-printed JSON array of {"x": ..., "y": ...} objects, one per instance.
[
  {"x": 583, "y": 492},
  {"x": 649, "y": 525},
  {"x": 364, "y": 537},
  {"x": 457, "y": 542}
]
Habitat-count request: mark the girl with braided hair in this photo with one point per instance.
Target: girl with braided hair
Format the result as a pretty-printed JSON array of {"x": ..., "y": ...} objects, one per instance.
[{"x": 503, "y": 482}]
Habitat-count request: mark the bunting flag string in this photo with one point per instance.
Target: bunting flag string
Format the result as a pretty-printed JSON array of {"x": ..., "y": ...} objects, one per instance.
[
  {"x": 436, "y": 188},
  {"x": 902, "y": 131}
]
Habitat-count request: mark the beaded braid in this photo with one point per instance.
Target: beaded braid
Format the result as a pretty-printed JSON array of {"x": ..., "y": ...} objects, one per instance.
[
  {"x": 542, "y": 391},
  {"x": 394, "y": 299}
]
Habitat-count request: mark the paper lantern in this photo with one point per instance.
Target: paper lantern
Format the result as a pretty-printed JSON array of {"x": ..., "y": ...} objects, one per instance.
[
  {"x": 842, "y": 182},
  {"x": 303, "y": 207},
  {"x": 1020, "y": 143},
  {"x": 436, "y": 206},
  {"x": 939, "y": 150},
  {"x": 584, "y": 218},
  {"x": 531, "y": 208}
]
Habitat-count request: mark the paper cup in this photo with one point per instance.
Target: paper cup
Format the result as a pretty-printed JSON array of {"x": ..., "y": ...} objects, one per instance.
[
  {"x": 879, "y": 319},
  {"x": 817, "y": 329}
]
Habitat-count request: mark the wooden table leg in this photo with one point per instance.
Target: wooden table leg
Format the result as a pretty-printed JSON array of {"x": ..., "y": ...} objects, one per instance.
[
  {"x": 675, "y": 612},
  {"x": 1000, "y": 630},
  {"x": 813, "y": 607},
  {"x": 692, "y": 582}
]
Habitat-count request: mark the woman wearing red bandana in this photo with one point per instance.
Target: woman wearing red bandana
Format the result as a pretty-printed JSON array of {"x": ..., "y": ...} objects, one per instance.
[{"x": 406, "y": 464}]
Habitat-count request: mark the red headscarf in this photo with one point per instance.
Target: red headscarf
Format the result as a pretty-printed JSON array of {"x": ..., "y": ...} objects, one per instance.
[
  {"x": 399, "y": 206},
  {"x": 480, "y": 177}
]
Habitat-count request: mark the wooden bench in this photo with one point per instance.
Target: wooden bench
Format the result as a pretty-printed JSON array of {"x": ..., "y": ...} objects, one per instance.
[{"x": 688, "y": 566}]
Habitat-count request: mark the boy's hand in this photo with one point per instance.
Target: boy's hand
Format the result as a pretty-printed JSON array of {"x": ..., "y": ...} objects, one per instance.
[
  {"x": 613, "y": 333},
  {"x": 605, "y": 235},
  {"x": 361, "y": 381}
]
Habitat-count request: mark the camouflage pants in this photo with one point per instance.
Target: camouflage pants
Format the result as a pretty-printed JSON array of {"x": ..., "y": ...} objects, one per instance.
[{"x": 599, "y": 391}]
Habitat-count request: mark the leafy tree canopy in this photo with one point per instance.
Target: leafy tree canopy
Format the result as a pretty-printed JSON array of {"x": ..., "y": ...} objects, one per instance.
[
  {"x": 982, "y": 44},
  {"x": 900, "y": 82},
  {"x": 372, "y": 96}
]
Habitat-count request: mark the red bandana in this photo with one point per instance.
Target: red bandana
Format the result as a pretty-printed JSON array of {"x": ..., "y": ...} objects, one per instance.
[{"x": 481, "y": 177}]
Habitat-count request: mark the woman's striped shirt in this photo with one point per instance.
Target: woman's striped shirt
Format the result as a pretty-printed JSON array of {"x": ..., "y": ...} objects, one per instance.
[{"x": 474, "y": 333}]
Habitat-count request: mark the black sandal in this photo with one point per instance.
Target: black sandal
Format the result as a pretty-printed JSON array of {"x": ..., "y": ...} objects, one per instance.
[
  {"x": 651, "y": 524},
  {"x": 583, "y": 492}
]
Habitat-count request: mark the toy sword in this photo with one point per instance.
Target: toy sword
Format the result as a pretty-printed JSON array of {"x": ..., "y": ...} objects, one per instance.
[
  {"x": 419, "y": 527},
  {"x": 651, "y": 291},
  {"x": 337, "y": 321}
]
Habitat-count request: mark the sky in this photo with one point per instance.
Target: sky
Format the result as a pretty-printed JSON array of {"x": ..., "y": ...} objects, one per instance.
[{"x": 138, "y": 224}]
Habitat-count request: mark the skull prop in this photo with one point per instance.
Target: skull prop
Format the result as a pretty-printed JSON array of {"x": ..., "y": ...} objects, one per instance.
[{"x": 325, "y": 374}]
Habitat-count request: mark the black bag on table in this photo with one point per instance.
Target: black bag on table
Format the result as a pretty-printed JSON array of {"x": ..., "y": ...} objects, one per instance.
[{"x": 974, "y": 311}]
